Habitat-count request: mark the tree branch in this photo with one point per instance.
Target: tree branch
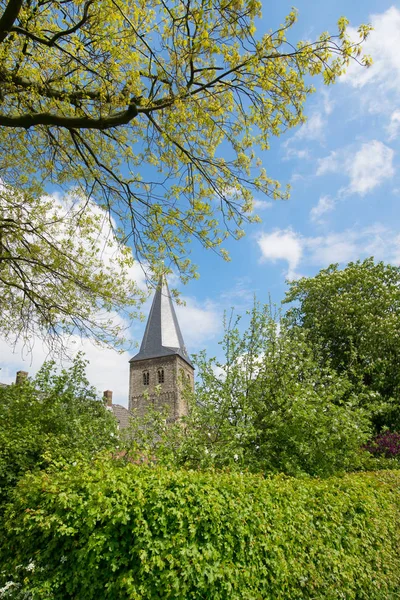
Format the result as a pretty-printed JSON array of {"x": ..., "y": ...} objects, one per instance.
[
  {"x": 50, "y": 42},
  {"x": 9, "y": 17},
  {"x": 47, "y": 91},
  {"x": 48, "y": 119}
]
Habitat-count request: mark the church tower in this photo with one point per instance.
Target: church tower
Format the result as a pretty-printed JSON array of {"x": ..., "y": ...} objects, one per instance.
[{"x": 162, "y": 368}]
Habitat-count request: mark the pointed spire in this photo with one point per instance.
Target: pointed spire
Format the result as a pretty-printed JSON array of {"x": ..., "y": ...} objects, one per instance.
[{"x": 162, "y": 336}]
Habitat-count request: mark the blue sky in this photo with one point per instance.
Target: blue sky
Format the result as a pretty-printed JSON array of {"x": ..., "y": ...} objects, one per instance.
[{"x": 343, "y": 166}]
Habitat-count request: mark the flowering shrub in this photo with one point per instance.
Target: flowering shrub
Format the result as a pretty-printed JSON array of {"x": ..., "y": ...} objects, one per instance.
[{"x": 385, "y": 444}]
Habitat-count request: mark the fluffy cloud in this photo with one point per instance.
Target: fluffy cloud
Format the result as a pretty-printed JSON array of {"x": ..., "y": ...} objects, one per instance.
[
  {"x": 312, "y": 128},
  {"x": 262, "y": 204},
  {"x": 281, "y": 244},
  {"x": 329, "y": 164},
  {"x": 367, "y": 168},
  {"x": 107, "y": 369},
  {"x": 338, "y": 247},
  {"x": 393, "y": 128},
  {"x": 325, "y": 204},
  {"x": 333, "y": 248},
  {"x": 371, "y": 165},
  {"x": 198, "y": 322},
  {"x": 380, "y": 82}
]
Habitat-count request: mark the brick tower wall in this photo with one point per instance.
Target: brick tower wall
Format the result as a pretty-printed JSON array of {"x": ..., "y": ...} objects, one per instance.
[{"x": 177, "y": 374}]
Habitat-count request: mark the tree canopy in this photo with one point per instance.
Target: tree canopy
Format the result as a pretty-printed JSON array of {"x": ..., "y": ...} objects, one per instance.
[
  {"x": 156, "y": 111},
  {"x": 62, "y": 273},
  {"x": 351, "y": 317}
]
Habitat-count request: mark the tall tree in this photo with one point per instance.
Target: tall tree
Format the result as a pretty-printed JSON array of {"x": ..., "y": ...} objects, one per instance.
[
  {"x": 351, "y": 317},
  {"x": 155, "y": 110},
  {"x": 62, "y": 273}
]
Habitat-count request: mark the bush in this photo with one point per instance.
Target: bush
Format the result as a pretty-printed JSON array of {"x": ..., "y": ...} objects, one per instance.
[
  {"x": 55, "y": 416},
  {"x": 386, "y": 444},
  {"x": 121, "y": 531},
  {"x": 270, "y": 407}
]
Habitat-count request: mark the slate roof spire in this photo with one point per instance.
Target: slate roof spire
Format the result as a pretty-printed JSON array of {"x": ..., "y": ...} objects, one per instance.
[{"x": 162, "y": 336}]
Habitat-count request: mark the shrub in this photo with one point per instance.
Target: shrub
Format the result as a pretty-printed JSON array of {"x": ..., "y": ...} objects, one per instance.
[
  {"x": 385, "y": 444},
  {"x": 55, "y": 416},
  {"x": 270, "y": 407},
  {"x": 120, "y": 531}
]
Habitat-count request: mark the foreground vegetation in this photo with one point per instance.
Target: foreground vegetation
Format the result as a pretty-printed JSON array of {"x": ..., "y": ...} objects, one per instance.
[
  {"x": 264, "y": 491},
  {"x": 116, "y": 530}
]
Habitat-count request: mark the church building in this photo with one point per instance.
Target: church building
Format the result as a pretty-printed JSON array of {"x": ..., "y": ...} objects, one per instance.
[{"x": 162, "y": 369}]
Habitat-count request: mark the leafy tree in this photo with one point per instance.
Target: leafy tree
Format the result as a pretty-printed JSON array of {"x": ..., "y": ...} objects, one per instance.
[
  {"x": 155, "y": 110},
  {"x": 268, "y": 407},
  {"x": 54, "y": 417},
  {"x": 352, "y": 319},
  {"x": 62, "y": 272}
]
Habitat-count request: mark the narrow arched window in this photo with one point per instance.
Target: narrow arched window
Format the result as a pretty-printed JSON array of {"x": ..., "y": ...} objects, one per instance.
[
  {"x": 188, "y": 377},
  {"x": 160, "y": 373},
  {"x": 146, "y": 378}
]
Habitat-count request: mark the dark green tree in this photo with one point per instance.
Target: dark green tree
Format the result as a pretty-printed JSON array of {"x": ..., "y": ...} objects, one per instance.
[{"x": 351, "y": 317}]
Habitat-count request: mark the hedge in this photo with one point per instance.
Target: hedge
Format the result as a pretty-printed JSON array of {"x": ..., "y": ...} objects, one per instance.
[{"x": 119, "y": 531}]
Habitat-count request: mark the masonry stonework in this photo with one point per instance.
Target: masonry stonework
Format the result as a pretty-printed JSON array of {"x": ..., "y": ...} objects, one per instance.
[
  {"x": 162, "y": 369},
  {"x": 177, "y": 374}
]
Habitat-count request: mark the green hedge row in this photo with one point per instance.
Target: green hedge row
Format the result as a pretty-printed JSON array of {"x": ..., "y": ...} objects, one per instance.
[{"x": 116, "y": 531}]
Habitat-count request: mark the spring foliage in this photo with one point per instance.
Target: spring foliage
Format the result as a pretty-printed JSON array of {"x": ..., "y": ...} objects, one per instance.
[
  {"x": 62, "y": 272},
  {"x": 156, "y": 111},
  {"x": 53, "y": 417},
  {"x": 123, "y": 531}
]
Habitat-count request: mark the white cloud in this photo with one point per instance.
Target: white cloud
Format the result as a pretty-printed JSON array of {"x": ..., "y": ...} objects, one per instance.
[
  {"x": 329, "y": 164},
  {"x": 262, "y": 204},
  {"x": 367, "y": 168},
  {"x": 333, "y": 248},
  {"x": 336, "y": 247},
  {"x": 396, "y": 251},
  {"x": 325, "y": 204},
  {"x": 281, "y": 244},
  {"x": 198, "y": 322},
  {"x": 312, "y": 128},
  {"x": 371, "y": 165},
  {"x": 241, "y": 295},
  {"x": 394, "y": 126},
  {"x": 294, "y": 153},
  {"x": 107, "y": 369},
  {"x": 380, "y": 82},
  {"x": 328, "y": 103}
]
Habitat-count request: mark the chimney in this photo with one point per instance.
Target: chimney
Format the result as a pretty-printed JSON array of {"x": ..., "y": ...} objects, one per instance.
[
  {"x": 107, "y": 395},
  {"x": 21, "y": 376}
]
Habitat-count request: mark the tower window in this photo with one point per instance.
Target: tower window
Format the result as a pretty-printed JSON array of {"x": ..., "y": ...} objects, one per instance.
[
  {"x": 188, "y": 376},
  {"x": 160, "y": 373},
  {"x": 146, "y": 378}
]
